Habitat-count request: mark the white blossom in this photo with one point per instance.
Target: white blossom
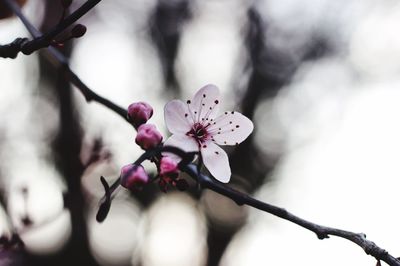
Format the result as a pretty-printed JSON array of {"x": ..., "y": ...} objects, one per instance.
[{"x": 196, "y": 127}]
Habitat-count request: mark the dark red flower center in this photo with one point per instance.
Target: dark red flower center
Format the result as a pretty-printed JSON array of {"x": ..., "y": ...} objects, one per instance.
[{"x": 198, "y": 132}]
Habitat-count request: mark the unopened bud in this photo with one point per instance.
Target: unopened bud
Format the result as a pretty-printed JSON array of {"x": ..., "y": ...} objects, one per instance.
[
  {"x": 133, "y": 176},
  {"x": 78, "y": 31},
  {"x": 148, "y": 136},
  {"x": 139, "y": 113},
  {"x": 168, "y": 166}
]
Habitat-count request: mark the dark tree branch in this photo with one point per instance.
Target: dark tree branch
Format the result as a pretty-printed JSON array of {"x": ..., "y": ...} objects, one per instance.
[
  {"x": 59, "y": 60},
  {"x": 40, "y": 41},
  {"x": 321, "y": 231},
  {"x": 12, "y": 49},
  {"x": 240, "y": 198}
]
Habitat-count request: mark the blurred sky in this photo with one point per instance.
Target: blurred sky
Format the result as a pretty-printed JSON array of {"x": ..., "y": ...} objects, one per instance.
[{"x": 333, "y": 126}]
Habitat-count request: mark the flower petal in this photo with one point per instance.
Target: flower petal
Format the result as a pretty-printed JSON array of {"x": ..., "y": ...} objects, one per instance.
[
  {"x": 205, "y": 103},
  {"x": 217, "y": 162},
  {"x": 176, "y": 116},
  {"x": 180, "y": 141},
  {"x": 231, "y": 128}
]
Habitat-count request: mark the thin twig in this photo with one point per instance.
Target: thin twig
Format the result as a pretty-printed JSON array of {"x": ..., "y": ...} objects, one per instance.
[
  {"x": 321, "y": 231},
  {"x": 60, "y": 61},
  {"x": 40, "y": 40}
]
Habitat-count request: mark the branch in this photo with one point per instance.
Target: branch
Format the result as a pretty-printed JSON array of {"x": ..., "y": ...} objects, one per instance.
[
  {"x": 321, "y": 231},
  {"x": 40, "y": 40},
  {"x": 59, "y": 60},
  {"x": 240, "y": 198}
]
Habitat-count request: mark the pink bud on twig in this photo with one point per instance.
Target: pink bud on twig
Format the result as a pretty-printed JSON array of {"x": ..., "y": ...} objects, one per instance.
[
  {"x": 133, "y": 176},
  {"x": 148, "y": 136},
  {"x": 139, "y": 113},
  {"x": 168, "y": 166}
]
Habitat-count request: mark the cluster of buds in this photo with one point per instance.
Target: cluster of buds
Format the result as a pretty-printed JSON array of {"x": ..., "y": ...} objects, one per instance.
[
  {"x": 134, "y": 177},
  {"x": 147, "y": 136}
]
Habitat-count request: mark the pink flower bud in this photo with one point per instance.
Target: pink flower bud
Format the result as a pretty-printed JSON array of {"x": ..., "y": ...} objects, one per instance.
[
  {"x": 139, "y": 113},
  {"x": 168, "y": 166},
  {"x": 133, "y": 176},
  {"x": 148, "y": 136}
]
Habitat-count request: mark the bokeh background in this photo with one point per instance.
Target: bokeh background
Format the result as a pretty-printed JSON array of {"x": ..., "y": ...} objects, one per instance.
[{"x": 319, "y": 78}]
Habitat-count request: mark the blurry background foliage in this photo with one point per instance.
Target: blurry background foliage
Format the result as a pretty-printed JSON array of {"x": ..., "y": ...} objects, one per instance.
[{"x": 319, "y": 78}]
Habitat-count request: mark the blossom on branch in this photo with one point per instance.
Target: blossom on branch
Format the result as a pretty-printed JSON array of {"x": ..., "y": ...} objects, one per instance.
[{"x": 196, "y": 127}]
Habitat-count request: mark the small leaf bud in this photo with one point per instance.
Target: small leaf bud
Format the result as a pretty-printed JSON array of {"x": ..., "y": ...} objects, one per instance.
[{"x": 78, "y": 31}]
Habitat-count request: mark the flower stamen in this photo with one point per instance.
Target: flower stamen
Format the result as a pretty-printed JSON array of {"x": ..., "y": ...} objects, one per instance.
[
  {"x": 199, "y": 133},
  {"x": 188, "y": 102},
  {"x": 201, "y": 107},
  {"x": 207, "y": 115}
]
